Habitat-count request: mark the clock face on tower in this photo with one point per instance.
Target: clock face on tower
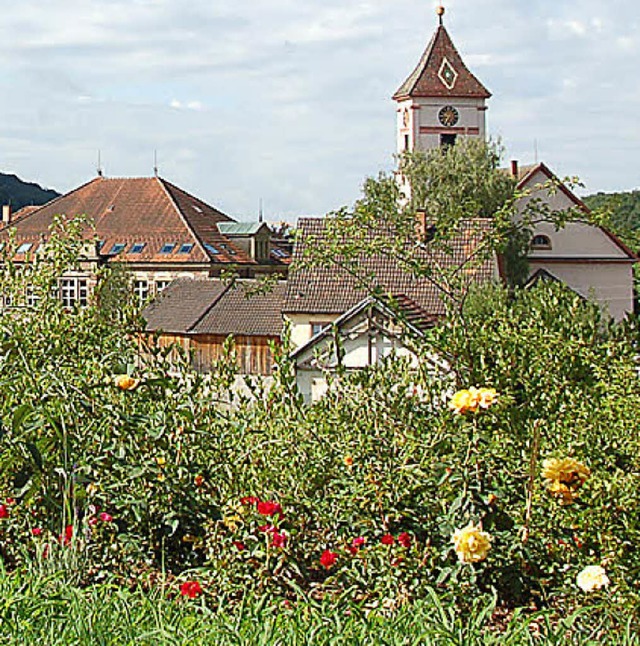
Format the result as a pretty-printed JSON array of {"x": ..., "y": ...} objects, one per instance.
[{"x": 448, "y": 116}]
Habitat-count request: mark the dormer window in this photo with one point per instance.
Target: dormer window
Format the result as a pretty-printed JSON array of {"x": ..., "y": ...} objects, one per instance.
[
  {"x": 117, "y": 248},
  {"x": 24, "y": 247},
  {"x": 540, "y": 242}
]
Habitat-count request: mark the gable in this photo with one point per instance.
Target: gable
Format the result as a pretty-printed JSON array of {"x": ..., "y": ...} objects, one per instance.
[{"x": 576, "y": 240}]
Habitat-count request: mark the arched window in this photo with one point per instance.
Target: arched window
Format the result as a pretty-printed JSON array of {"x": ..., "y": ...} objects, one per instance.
[{"x": 540, "y": 241}]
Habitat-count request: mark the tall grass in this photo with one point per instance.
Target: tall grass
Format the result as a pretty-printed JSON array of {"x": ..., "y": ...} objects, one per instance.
[{"x": 36, "y": 609}]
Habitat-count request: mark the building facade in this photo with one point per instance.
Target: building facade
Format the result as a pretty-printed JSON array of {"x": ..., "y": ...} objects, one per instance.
[{"x": 158, "y": 231}]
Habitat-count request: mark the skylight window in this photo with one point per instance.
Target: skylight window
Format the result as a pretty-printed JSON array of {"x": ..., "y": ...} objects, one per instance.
[
  {"x": 228, "y": 249},
  {"x": 137, "y": 247},
  {"x": 196, "y": 208},
  {"x": 185, "y": 248},
  {"x": 211, "y": 249},
  {"x": 117, "y": 247},
  {"x": 280, "y": 253},
  {"x": 168, "y": 247},
  {"x": 24, "y": 247}
]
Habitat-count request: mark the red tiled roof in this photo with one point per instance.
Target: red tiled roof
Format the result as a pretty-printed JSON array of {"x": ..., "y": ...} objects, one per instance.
[
  {"x": 217, "y": 308},
  {"x": 146, "y": 210},
  {"x": 332, "y": 290},
  {"x": 425, "y": 79}
]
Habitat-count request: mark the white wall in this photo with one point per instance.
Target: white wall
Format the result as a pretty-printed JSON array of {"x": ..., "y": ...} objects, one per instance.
[{"x": 582, "y": 256}]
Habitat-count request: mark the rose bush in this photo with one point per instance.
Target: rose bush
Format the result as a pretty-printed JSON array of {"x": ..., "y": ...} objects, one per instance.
[{"x": 378, "y": 492}]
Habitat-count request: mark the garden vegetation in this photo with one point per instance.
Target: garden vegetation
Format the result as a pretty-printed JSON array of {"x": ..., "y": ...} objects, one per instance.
[{"x": 495, "y": 500}]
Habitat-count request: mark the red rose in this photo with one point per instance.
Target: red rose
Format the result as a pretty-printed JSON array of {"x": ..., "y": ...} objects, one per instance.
[
  {"x": 36, "y": 531},
  {"x": 106, "y": 518},
  {"x": 249, "y": 500},
  {"x": 387, "y": 539},
  {"x": 269, "y": 508},
  {"x": 358, "y": 542},
  {"x": 352, "y": 550},
  {"x": 404, "y": 539},
  {"x": 278, "y": 540},
  {"x": 191, "y": 589},
  {"x": 10, "y": 501},
  {"x": 4, "y": 512},
  {"x": 328, "y": 559},
  {"x": 92, "y": 521},
  {"x": 239, "y": 545},
  {"x": 67, "y": 535}
]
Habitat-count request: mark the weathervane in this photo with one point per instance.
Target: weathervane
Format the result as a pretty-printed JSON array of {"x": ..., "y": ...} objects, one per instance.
[{"x": 440, "y": 11}]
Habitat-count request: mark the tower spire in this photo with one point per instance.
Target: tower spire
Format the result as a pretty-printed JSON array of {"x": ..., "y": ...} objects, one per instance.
[{"x": 440, "y": 11}]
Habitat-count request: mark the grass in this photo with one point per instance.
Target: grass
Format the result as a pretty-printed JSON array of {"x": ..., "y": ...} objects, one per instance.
[{"x": 45, "y": 610}]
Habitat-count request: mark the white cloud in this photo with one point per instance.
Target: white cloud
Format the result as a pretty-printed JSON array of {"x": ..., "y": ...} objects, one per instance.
[{"x": 290, "y": 100}]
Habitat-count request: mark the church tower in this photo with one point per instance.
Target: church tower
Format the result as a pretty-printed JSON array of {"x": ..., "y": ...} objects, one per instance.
[{"x": 441, "y": 100}]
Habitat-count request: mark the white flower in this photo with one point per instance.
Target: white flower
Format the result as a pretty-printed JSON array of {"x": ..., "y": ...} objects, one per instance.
[{"x": 593, "y": 577}]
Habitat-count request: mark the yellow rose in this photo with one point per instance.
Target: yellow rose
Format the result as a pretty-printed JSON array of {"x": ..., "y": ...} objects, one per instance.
[
  {"x": 125, "y": 382},
  {"x": 593, "y": 577},
  {"x": 471, "y": 543},
  {"x": 472, "y": 399},
  {"x": 348, "y": 460},
  {"x": 565, "y": 494},
  {"x": 461, "y": 402},
  {"x": 567, "y": 470},
  {"x": 161, "y": 461}
]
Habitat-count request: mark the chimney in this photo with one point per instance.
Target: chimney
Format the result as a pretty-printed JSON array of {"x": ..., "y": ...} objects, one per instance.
[
  {"x": 514, "y": 168},
  {"x": 6, "y": 214}
]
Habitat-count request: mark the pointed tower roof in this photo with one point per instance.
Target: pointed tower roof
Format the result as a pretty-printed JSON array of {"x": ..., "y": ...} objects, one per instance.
[{"x": 442, "y": 73}]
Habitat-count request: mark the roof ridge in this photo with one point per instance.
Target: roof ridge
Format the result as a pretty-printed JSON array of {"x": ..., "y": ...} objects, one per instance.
[
  {"x": 182, "y": 217},
  {"x": 193, "y": 197},
  {"x": 211, "y": 306}
]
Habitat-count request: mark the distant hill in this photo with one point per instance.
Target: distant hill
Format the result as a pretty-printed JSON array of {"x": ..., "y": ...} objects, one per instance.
[
  {"x": 625, "y": 213},
  {"x": 18, "y": 193}
]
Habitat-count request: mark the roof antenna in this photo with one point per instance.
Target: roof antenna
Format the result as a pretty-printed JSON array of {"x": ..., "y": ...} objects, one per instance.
[
  {"x": 99, "y": 168},
  {"x": 535, "y": 150},
  {"x": 155, "y": 163},
  {"x": 440, "y": 11},
  {"x": 260, "y": 214}
]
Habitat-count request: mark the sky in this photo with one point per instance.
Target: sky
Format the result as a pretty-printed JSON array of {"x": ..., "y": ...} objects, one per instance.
[{"x": 289, "y": 102}]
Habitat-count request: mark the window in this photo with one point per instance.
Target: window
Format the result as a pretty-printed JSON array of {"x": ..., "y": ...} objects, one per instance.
[
  {"x": 161, "y": 285},
  {"x": 24, "y": 247},
  {"x": 211, "y": 249},
  {"x": 196, "y": 208},
  {"x": 30, "y": 297},
  {"x": 228, "y": 249},
  {"x": 74, "y": 291},
  {"x": 185, "y": 248},
  {"x": 448, "y": 140},
  {"x": 316, "y": 328},
  {"x": 117, "y": 248},
  {"x": 137, "y": 247},
  {"x": 406, "y": 142},
  {"x": 262, "y": 249},
  {"x": 168, "y": 247},
  {"x": 141, "y": 290},
  {"x": 540, "y": 241},
  {"x": 280, "y": 253},
  {"x": 99, "y": 245}
]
